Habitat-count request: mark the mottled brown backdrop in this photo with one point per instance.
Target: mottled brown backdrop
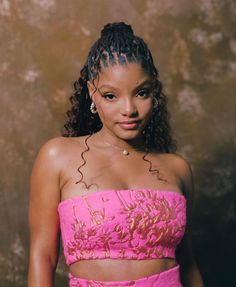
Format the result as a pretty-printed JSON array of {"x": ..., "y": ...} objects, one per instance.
[{"x": 43, "y": 46}]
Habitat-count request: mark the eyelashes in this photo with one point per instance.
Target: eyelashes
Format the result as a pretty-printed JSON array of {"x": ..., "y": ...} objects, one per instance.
[
  {"x": 108, "y": 96},
  {"x": 144, "y": 92}
]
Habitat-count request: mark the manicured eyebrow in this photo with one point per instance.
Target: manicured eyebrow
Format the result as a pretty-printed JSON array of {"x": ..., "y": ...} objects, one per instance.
[
  {"x": 144, "y": 83},
  {"x": 107, "y": 86}
]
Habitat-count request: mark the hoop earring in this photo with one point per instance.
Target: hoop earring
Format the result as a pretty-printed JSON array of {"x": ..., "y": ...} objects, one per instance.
[
  {"x": 93, "y": 108},
  {"x": 155, "y": 102}
]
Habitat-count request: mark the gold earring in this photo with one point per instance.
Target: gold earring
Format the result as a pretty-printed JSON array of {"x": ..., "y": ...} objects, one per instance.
[{"x": 93, "y": 108}]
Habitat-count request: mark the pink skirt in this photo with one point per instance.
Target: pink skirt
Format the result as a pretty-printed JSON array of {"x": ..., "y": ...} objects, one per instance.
[{"x": 168, "y": 278}]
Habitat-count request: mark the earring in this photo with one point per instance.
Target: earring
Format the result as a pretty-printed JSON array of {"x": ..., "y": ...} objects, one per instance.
[
  {"x": 155, "y": 102},
  {"x": 93, "y": 108}
]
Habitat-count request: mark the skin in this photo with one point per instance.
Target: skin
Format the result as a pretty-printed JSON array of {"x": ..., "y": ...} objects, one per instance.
[{"x": 120, "y": 93}]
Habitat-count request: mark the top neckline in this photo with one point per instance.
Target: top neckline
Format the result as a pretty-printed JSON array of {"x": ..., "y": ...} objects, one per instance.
[{"x": 78, "y": 197}]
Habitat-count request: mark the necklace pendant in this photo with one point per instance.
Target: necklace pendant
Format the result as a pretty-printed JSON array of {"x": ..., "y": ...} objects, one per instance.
[{"x": 125, "y": 152}]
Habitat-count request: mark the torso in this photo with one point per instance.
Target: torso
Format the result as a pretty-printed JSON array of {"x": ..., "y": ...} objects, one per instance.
[{"x": 107, "y": 168}]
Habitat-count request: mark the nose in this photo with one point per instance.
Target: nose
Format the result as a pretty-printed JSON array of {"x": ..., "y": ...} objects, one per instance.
[{"x": 128, "y": 108}]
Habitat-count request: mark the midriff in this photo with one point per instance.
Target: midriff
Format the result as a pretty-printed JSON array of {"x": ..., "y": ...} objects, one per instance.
[{"x": 118, "y": 270}]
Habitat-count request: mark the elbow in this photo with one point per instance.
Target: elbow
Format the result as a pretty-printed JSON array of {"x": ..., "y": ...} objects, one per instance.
[
  {"x": 41, "y": 271},
  {"x": 48, "y": 258}
]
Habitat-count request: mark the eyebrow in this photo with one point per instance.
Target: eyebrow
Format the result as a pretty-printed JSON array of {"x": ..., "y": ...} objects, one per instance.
[{"x": 145, "y": 82}]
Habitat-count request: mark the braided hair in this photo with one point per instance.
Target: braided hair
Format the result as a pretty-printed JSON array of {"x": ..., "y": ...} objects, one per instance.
[{"x": 118, "y": 45}]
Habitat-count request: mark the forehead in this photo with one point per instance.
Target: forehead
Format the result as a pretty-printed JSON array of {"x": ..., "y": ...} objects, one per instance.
[{"x": 119, "y": 75}]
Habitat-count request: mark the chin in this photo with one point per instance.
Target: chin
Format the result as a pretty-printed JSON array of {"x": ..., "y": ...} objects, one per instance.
[{"x": 129, "y": 134}]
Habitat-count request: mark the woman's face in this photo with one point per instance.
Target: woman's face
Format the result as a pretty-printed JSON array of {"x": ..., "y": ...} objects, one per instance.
[{"x": 123, "y": 98}]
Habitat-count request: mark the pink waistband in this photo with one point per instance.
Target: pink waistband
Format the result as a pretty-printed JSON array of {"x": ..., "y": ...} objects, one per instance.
[{"x": 168, "y": 278}]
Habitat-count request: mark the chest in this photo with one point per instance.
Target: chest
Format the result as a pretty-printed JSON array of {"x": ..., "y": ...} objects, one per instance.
[{"x": 95, "y": 172}]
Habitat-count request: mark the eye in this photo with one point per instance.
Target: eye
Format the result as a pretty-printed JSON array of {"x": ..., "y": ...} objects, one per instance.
[
  {"x": 143, "y": 93},
  {"x": 109, "y": 96}
]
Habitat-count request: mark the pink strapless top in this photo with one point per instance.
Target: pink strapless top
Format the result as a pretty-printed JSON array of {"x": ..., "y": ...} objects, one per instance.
[{"x": 122, "y": 224}]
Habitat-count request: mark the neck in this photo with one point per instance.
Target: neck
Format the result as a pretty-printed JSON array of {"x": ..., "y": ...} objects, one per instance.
[{"x": 103, "y": 138}]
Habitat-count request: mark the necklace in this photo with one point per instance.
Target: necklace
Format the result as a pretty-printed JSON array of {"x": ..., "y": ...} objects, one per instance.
[{"x": 124, "y": 151}]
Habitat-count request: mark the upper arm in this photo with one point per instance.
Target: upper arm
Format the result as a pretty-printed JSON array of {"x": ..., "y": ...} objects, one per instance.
[
  {"x": 190, "y": 274},
  {"x": 44, "y": 198},
  {"x": 184, "y": 250},
  {"x": 186, "y": 175},
  {"x": 183, "y": 171}
]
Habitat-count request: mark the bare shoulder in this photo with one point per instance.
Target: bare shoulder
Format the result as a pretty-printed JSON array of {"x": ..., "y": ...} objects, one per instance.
[
  {"x": 57, "y": 148},
  {"x": 182, "y": 168},
  {"x": 52, "y": 158},
  {"x": 176, "y": 162},
  {"x": 52, "y": 147},
  {"x": 179, "y": 163}
]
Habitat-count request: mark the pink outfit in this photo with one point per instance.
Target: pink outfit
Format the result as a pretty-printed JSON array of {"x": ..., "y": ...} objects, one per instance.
[
  {"x": 168, "y": 278},
  {"x": 123, "y": 224}
]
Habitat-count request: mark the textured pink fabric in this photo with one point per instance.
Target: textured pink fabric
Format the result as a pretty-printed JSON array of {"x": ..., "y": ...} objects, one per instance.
[
  {"x": 122, "y": 224},
  {"x": 168, "y": 278}
]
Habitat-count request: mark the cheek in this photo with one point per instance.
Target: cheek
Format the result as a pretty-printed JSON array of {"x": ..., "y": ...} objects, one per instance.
[
  {"x": 104, "y": 109},
  {"x": 145, "y": 107},
  {"x": 107, "y": 113}
]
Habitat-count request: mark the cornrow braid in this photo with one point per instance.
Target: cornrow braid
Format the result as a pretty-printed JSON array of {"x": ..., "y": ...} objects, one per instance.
[{"x": 118, "y": 45}]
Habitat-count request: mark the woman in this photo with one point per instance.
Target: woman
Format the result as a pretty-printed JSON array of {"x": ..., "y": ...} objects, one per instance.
[{"x": 113, "y": 185}]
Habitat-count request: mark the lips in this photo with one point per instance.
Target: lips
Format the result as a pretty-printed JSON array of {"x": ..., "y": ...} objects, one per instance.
[{"x": 129, "y": 125}]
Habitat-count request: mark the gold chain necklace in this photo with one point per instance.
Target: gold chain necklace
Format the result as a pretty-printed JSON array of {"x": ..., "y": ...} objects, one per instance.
[{"x": 124, "y": 151}]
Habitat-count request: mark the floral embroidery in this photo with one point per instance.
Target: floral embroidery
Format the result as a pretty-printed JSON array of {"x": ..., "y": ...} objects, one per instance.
[{"x": 137, "y": 224}]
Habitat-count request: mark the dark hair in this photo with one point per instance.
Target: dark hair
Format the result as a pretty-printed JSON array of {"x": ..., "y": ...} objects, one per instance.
[{"x": 118, "y": 45}]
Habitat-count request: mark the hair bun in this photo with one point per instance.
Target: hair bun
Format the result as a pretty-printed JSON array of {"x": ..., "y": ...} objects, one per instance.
[{"x": 116, "y": 27}]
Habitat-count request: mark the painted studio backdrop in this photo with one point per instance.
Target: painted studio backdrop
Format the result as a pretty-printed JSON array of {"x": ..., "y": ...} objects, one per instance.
[{"x": 43, "y": 45}]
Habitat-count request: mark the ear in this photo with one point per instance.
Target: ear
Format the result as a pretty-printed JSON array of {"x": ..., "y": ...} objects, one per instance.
[{"x": 91, "y": 88}]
